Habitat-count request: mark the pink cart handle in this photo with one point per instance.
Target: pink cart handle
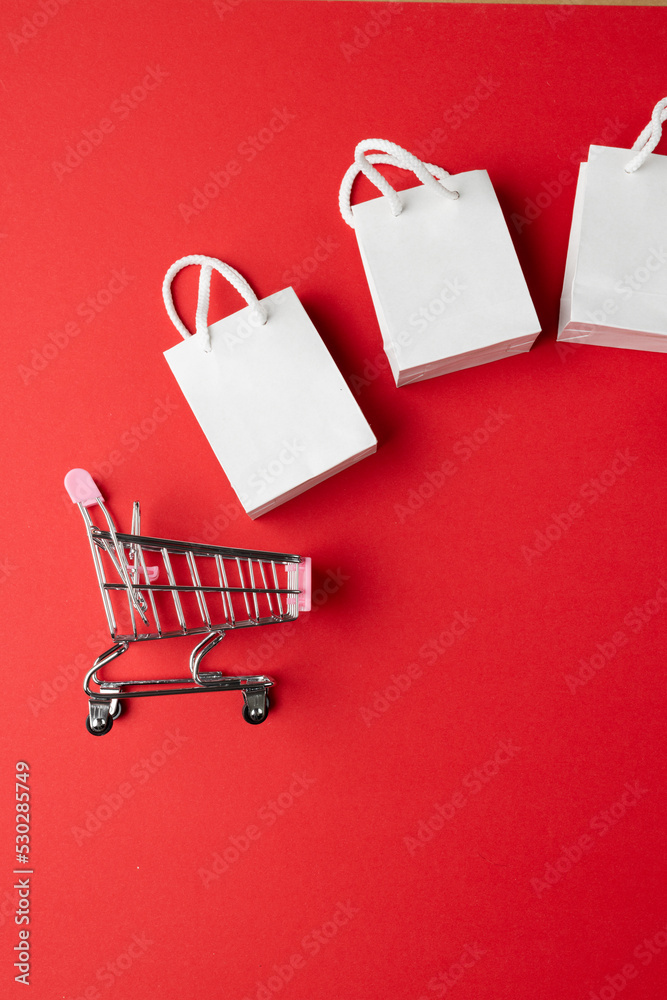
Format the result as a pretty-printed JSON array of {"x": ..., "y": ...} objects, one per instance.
[
  {"x": 81, "y": 487},
  {"x": 305, "y": 584}
]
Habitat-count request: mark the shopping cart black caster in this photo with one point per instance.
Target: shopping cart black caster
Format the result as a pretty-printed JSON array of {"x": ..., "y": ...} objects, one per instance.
[
  {"x": 101, "y": 714},
  {"x": 256, "y": 709},
  {"x": 102, "y": 729}
]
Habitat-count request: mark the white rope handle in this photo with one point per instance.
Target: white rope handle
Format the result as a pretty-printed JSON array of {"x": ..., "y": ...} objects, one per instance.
[
  {"x": 649, "y": 138},
  {"x": 429, "y": 174},
  {"x": 208, "y": 265}
]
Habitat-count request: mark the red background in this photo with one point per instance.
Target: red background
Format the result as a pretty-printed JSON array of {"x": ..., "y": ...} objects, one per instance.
[{"x": 558, "y": 75}]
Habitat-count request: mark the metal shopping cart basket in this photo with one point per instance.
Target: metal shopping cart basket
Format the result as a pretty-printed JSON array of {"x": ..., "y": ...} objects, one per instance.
[{"x": 195, "y": 589}]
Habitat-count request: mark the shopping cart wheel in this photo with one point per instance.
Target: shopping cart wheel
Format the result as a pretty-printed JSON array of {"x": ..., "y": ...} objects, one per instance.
[
  {"x": 101, "y": 730},
  {"x": 256, "y": 714}
]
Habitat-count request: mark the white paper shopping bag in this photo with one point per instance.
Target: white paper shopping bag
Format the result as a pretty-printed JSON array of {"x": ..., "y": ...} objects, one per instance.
[
  {"x": 443, "y": 274},
  {"x": 266, "y": 392},
  {"x": 615, "y": 285}
]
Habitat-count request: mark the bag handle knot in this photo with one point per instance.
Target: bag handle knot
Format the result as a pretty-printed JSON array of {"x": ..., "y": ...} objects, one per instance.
[
  {"x": 208, "y": 265},
  {"x": 430, "y": 175},
  {"x": 649, "y": 138}
]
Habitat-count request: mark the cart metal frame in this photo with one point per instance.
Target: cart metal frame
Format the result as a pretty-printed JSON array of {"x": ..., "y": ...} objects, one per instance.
[{"x": 252, "y": 588}]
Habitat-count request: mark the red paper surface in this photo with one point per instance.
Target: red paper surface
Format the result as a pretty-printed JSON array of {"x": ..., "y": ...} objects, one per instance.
[{"x": 440, "y": 678}]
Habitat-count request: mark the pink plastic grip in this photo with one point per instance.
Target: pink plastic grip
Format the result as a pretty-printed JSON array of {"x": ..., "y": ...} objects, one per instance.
[
  {"x": 81, "y": 487},
  {"x": 305, "y": 584}
]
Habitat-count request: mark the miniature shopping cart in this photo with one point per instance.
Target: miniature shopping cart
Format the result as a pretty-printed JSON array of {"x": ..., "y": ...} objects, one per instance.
[{"x": 154, "y": 588}]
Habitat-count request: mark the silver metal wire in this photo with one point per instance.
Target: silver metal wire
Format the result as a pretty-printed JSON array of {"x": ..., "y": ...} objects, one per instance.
[{"x": 134, "y": 567}]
